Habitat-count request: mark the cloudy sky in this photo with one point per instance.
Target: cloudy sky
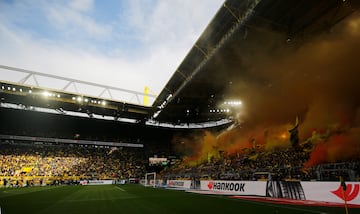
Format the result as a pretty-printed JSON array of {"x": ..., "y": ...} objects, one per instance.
[{"x": 127, "y": 44}]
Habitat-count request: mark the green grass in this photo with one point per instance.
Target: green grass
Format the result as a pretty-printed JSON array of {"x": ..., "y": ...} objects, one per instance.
[{"x": 109, "y": 199}]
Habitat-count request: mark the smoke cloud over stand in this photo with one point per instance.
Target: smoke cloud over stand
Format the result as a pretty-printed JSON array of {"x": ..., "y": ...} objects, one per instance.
[{"x": 317, "y": 82}]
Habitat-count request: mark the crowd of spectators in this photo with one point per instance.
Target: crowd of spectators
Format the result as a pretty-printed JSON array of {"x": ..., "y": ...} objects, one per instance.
[
  {"x": 28, "y": 159},
  {"x": 49, "y": 163},
  {"x": 287, "y": 164},
  {"x": 52, "y": 162}
]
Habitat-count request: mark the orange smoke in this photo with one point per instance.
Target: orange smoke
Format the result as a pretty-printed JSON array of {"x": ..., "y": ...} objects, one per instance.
[
  {"x": 317, "y": 82},
  {"x": 206, "y": 145},
  {"x": 339, "y": 147}
]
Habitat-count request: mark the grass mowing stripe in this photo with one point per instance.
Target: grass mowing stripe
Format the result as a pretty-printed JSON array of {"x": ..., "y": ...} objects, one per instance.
[
  {"x": 137, "y": 199},
  {"x": 91, "y": 199},
  {"x": 289, "y": 207},
  {"x": 282, "y": 206},
  {"x": 24, "y": 190}
]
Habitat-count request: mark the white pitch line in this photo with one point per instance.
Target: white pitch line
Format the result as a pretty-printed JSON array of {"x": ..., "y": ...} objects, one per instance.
[
  {"x": 97, "y": 199},
  {"x": 116, "y": 188}
]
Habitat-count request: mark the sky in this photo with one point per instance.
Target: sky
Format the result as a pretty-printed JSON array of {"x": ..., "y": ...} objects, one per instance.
[{"x": 125, "y": 44}]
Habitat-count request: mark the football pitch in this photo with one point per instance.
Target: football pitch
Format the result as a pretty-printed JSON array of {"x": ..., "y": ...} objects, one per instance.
[{"x": 135, "y": 199}]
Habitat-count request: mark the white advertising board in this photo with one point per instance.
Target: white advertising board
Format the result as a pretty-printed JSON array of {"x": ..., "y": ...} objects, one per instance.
[
  {"x": 235, "y": 187},
  {"x": 185, "y": 184},
  {"x": 96, "y": 182},
  {"x": 332, "y": 192}
]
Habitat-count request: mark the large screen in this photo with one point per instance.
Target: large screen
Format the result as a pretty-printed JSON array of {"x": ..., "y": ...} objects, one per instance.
[{"x": 158, "y": 161}]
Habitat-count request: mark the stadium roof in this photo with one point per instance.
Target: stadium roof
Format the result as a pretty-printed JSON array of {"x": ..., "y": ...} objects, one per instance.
[
  {"x": 201, "y": 86},
  {"x": 202, "y": 89}
]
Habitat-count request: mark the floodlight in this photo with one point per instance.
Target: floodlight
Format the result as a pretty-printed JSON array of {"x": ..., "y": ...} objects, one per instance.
[
  {"x": 46, "y": 94},
  {"x": 156, "y": 114},
  {"x": 233, "y": 103}
]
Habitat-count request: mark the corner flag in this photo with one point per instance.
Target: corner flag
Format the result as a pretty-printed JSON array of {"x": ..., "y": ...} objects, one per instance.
[{"x": 343, "y": 185}]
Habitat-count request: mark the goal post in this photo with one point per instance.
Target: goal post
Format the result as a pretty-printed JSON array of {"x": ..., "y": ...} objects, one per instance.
[{"x": 150, "y": 179}]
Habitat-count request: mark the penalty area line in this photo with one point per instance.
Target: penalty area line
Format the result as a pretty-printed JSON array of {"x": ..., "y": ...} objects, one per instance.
[{"x": 119, "y": 188}]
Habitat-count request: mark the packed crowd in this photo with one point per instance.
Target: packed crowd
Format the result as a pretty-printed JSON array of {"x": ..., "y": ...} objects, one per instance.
[
  {"x": 285, "y": 164},
  {"x": 70, "y": 162},
  {"x": 60, "y": 163}
]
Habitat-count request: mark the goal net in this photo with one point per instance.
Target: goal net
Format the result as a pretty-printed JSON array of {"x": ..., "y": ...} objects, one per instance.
[{"x": 150, "y": 179}]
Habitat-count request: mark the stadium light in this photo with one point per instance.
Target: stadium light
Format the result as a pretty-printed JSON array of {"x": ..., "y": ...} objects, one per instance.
[
  {"x": 103, "y": 103},
  {"x": 49, "y": 94},
  {"x": 220, "y": 110},
  {"x": 163, "y": 104},
  {"x": 46, "y": 94},
  {"x": 169, "y": 96},
  {"x": 156, "y": 114},
  {"x": 233, "y": 103}
]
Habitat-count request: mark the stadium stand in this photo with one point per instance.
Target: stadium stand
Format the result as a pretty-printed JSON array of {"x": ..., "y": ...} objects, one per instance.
[
  {"x": 47, "y": 148},
  {"x": 41, "y": 162},
  {"x": 60, "y": 164},
  {"x": 287, "y": 164}
]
